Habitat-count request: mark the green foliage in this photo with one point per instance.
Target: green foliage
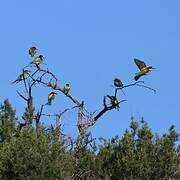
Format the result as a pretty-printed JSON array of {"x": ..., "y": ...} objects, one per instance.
[
  {"x": 39, "y": 153},
  {"x": 33, "y": 155},
  {"x": 7, "y": 121},
  {"x": 29, "y": 112},
  {"x": 137, "y": 155}
]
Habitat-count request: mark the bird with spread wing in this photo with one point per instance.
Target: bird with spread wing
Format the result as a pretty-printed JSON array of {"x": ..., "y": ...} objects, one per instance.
[{"x": 143, "y": 69}]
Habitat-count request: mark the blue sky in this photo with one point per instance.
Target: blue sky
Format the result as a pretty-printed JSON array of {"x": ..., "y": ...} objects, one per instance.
[{"x": 88, "y": 44}]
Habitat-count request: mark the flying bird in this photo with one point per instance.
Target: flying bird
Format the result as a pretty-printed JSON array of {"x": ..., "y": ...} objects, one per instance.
[
  {"x": 143, "y": 69},
  {"x": 38, "y": 60},
  {"x": 51, "y": 97},
  {"x": 66, "y": 88},
  {"x": 118, "y": 83},
  {"x": 25, "y": 74},
  {"x": 32, "y": 51}
]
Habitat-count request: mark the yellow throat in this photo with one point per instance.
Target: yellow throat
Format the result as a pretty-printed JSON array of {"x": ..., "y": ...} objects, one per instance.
[{"x": 145, "y": 69}]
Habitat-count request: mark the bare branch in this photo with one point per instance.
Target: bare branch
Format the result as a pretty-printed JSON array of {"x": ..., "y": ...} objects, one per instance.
[
  {"x": 44, "y": 77},
  {"x": 56, "y": 87},
  {"x": 71, "y": 144},
  {"x": 39, "y": 113},
  {"x": 104, "y": 101},
  {"x": 58, "y": 115},
  {"x": 26, "y": 99},
  {"x": 105, "y": 109},
  {"x": 35, "y": 72},
  {"x": 129, "y": 85},
  {"x": 140, "y": 85},
  {"x": 137, "y": 84},
  {"x": 134, "y": 84}
]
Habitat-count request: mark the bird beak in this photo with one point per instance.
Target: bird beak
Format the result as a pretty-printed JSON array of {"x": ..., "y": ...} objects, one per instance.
[{"x": 152, "y": 69}]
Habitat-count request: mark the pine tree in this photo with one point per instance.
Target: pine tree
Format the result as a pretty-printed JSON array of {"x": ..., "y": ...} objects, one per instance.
[{"x": 7, "y": 121}]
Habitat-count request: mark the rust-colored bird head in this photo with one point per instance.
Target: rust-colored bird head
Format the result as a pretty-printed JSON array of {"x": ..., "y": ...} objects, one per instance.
[
  {"x": 32, "y": 51},
  {"x": 33, "y": 48}
]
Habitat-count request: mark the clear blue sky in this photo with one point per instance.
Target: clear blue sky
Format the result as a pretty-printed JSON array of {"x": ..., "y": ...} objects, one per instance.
[{"x": 89, "y": 43}]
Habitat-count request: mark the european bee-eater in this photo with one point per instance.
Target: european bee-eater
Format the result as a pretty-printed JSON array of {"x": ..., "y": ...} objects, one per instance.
[
  {"x": 25, "y": 74},
  {"x": 38, "y": 60},
  {"x": 51, "y": 97},
  {"x": 118, "y": 83},
  {"x": 32, "y": 51},
  {"x": 114, "y": 101},
  {"x": 66, "y": 88},
  {"x": 143, "y": 69}
]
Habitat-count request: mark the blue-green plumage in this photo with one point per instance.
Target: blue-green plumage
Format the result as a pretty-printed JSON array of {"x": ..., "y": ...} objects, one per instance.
[
  {"x": 66, "y": 88},
  {"x": 25, "y": 74},
  {"x": 138, "y": 75}
]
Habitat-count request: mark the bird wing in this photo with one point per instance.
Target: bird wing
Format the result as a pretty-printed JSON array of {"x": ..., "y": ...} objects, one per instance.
[
  {"x": 120, "y": 83},
  {"x": 140, "y": 64},
  {"x": 30, "y": 51},
  {"x": 51, "y": 96}
]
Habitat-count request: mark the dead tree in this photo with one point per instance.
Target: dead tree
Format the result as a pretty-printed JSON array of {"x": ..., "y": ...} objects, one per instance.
[{"x": 85, "y": 119}]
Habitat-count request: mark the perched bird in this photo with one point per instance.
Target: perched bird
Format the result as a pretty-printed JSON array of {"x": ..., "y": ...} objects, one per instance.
[
  {"x": 118, "y": 83},
  {"x": 143, "y": 69},
  {"x": 25, "y": 74},
  {"x": 66, "y": 88},
  {"x": 38, "y": 60},
  {"x": 51, "y": 97},
  {"x": 114, "y": 101},
  {"x": 32, "y": 51}
]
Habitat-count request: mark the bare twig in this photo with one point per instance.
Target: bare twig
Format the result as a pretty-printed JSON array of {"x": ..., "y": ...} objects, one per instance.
[
  {"x": 86, "y": 119},
  {"x": 129, "y": 85},
  {"x": 56, "y": 87},
  {"x": 135, "y": 84},
  {"x": 140, "y": 85},
  {"x": 26, "y": 99},
  {"x": 105, "y": 109},
  {"x": 39, "y": 113}
]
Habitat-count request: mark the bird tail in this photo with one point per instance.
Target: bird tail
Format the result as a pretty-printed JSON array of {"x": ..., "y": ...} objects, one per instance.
[
  {"x": 16, "y": 81},
  {"x": 32, "y": 62},
  {"x": 138, "y": 75},
  {"x": 49, "y": 102}
]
